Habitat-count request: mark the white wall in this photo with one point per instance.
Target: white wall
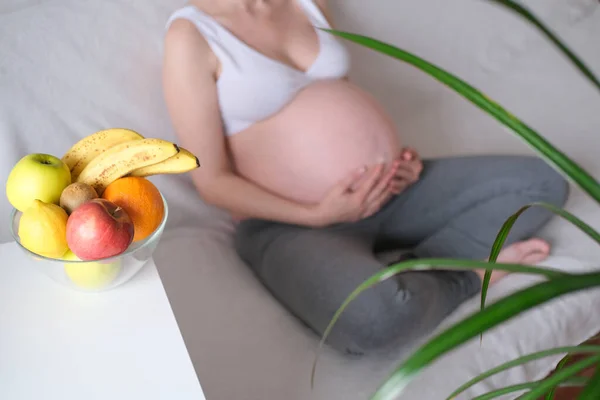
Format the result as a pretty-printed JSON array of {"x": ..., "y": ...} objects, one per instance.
[{"x": 494, "y": 50}]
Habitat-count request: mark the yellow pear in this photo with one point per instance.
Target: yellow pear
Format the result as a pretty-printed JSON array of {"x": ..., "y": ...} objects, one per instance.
[{"x": 43, "y": 229}]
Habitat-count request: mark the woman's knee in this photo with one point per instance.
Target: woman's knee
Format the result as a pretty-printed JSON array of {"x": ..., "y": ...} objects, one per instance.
[
  {"x": 379, "y": 320},
  {"x": 359, "y": 334},
  {"x": 392, "y": 315},
  {"x": 553, "y": 184},
  {"x": 540, "y": 181}
]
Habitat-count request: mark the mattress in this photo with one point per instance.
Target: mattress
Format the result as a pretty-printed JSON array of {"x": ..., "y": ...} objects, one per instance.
[{"x": 71, "y": 67}]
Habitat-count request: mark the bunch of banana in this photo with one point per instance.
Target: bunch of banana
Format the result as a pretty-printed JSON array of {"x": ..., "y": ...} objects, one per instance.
[
  {"x": 183, "y": 161},
  {"x": 107, "y": 155},
  {"x": 88, "y": 148}
]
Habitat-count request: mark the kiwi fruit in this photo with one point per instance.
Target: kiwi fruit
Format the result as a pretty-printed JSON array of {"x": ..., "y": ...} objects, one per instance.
[{"x": 75, "y": 195}]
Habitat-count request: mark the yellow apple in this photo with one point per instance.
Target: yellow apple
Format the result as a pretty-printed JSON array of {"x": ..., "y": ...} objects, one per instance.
[
  {"x": 91, "y": 274},
  {"x": 37, "y": 176}
]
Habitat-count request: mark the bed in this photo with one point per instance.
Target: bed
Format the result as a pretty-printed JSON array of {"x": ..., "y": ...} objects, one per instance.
[{"x": 71, "y": 67}]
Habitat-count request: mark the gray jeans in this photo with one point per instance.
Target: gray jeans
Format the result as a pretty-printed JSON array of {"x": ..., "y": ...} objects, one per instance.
[{"x": 455, "y": 210}]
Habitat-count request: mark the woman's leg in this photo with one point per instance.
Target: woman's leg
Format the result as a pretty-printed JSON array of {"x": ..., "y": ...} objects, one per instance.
[
  {"x": 458, "y": 206},
  {"x": 312, "y": 271}
]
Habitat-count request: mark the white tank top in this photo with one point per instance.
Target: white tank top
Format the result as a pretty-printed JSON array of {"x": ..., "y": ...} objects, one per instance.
[{"x": 252, "y": 86}]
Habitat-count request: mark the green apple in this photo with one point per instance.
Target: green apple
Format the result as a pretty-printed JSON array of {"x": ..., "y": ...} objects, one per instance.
[
  {"x": 37, "y": 176},
  {"x": 91, "y": 275}
]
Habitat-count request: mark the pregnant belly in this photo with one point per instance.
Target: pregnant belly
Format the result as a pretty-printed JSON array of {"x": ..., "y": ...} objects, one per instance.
[{"x": 330, "y": 129}]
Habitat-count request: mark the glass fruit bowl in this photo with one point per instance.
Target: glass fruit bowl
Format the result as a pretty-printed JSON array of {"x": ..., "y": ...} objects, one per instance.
[{"x": 98, "y": 275}]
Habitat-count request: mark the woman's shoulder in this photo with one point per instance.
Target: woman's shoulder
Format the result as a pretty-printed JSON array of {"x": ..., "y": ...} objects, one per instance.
[
  {"x": 184, "y": 43},
  {"x": 182, "y": 33}
]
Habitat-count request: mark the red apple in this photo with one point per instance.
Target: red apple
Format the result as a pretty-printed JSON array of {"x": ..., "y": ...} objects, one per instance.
[{"x": 99, "y": 229}]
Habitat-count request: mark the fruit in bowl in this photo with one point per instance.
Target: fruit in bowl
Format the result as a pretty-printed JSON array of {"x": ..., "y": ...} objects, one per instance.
[
  {"x": 99, "y": 229},
  {"x": 91, "y": 275},
  {"x": 37, "y": 176},
  {"x": 75, "y": 195},
  {"x": 141, "y": 200},
  {"x": 93, "y": 217},
  {"x": 42, "y": 229}
]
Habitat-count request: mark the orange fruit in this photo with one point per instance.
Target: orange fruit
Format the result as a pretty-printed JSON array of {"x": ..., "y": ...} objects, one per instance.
[{"x": 141, "y": 200}]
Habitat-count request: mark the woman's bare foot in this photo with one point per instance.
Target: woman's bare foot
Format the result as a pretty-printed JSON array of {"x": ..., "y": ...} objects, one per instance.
[{"x": 527, "y": 252}]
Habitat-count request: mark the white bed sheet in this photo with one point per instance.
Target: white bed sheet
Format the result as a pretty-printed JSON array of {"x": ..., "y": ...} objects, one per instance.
[{"x": 71, "y": 67}]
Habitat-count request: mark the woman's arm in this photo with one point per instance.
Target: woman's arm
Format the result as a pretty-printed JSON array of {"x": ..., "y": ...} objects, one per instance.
[{"x": 191, "y": 98}]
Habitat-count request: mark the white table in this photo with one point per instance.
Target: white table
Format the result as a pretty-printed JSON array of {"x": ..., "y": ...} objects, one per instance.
[{"x": 56, "y": 343}]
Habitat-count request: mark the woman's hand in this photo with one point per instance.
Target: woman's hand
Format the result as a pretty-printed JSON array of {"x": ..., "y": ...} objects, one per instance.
[
  {"x": 347, "y": 202},
  {"x": 408, "y": 171}
]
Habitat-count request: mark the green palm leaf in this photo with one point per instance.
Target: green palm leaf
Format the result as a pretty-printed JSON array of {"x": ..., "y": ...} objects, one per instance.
[
  {"x": 582, "y": 349},
  {"x": 559, "y": 366},
  {"x": 492, "y": 316},
  {"x": 425, "y": 264},
  {"x": 520, "y": 301},
  {"x": 556, "y": 158},
  {"x": 559, "y": 377},
  {"x": 564, "y": 361},
  {"x": 529, "y": 16},
  {"x": 573, "y": 381},
  {"x": 592, "y": 390},
  {"x": 505, "y": 230}
]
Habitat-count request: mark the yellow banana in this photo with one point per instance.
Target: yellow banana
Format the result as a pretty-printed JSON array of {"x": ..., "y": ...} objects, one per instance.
[
  {"x": 180, "y": 163},
  {"x": 123, "y": 158},
  {"x": 88, "y": 148}
]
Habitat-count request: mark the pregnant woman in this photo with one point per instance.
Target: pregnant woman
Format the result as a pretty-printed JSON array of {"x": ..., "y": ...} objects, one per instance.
[{"x": 313, "y": 171}]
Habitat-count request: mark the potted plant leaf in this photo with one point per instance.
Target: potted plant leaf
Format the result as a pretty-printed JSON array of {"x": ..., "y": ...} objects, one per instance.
[{"x": 556, "y": 283}]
